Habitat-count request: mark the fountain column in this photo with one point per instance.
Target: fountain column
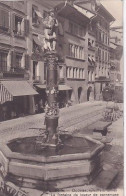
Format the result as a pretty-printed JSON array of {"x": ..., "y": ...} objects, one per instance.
[{"x": 52, "y": 107}]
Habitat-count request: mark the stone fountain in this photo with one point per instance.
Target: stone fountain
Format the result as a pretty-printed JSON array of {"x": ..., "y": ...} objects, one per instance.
[{"x": 55, "y": 160}]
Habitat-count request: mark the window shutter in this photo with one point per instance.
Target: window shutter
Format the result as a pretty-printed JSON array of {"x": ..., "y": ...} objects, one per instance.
[
  {"x": 13, "y": 59},
  {"x": 13, "y": 22},
  {"x": 6, "y": 19},
  {"x": 27, "y": 62},
  {"x": 26, "y": 26},
  {"x": 1, "y": 18}
]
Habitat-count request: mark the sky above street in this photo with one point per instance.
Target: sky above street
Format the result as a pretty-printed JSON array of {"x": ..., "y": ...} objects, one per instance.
[{"x": 115, "y": 7}]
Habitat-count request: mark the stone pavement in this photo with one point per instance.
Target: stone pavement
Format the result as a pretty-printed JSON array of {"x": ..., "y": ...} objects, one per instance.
[
  {"x": 80, "y": 114},
  {"x": 115, "y": 156},
  {"x": 71, "y": 119},
  {"x": 112, "y": 157}
]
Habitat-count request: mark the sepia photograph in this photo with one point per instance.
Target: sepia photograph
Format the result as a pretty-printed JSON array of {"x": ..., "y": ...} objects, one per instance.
[{"x": 61, "y": 98}]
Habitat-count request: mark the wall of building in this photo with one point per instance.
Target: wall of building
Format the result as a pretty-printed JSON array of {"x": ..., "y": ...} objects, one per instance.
[
  {"x": 13, "y": 36},
  {"x": 26, "y": 40},
  {"x": 76, "y": 65},
  {"x": 15, "y": 60},
  {"x": 36, "y": 29}
]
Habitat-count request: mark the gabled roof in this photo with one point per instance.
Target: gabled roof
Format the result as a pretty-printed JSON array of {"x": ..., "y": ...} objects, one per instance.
[
  {"x": 103, "y": 10},
  {"x": 68, "y": 11}
]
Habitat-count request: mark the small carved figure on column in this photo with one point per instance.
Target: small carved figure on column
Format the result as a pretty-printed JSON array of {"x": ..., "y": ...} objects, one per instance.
[{"x": 50, "y": 24}]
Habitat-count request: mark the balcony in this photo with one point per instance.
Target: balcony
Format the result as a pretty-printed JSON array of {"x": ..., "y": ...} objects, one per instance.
[
  {"x": 91, "y": 47},
  {"x": 19, "y": 40},
  {"x": 5, "y": 37},
  {"x": 10, "y": 74},
  {"x": 20, "y": 35},
  {"x": 14, "y": 72}
]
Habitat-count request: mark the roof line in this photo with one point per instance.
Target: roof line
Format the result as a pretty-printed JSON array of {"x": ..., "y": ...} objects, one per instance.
[{"x": 107, "y": 12}]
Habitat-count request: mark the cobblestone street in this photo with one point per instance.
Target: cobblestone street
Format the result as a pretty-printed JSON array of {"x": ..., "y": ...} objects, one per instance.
[
  {"x": 71, "y": 118},
  {"x": 75, "y": 118}
]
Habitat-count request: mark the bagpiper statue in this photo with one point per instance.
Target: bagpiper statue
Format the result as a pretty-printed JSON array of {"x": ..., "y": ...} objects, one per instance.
[{"x": 50, "y": 28}]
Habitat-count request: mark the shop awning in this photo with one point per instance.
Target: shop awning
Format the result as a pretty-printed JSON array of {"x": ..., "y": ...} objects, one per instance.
[
  {"x": 39, "y": 14},
  {"x": 4, "y": 95},
  {"x": 18, "y": 88},
  {"x": 61, "y": 87}
]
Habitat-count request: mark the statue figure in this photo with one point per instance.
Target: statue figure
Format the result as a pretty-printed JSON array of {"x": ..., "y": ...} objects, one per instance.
[{"x": 50, "y": 28}]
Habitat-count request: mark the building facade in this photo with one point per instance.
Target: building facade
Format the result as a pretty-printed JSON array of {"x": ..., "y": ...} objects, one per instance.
[
  {"x": 72, "y": 47},
  {"x": 100, "y": 24},
  {"x": 103, "y": 20},
  {"x": 75, "y": 52},
  {"x": 83, "y": 45},
  {"x": 14, "y": 61},
  {"x": 116, "y": 54}
]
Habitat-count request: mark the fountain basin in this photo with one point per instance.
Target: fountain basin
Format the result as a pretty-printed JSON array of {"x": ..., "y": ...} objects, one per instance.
[{"x": 26, "y": 163}]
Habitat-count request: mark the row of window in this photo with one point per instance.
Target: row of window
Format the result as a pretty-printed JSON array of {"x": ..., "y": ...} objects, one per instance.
[
  {"x": 76, "y": 51},
  {"x": 20, "y": 26},
  {"x": 102, "y": 37},
  {"x": 103, "y": 55},
  {"x": 102, "y": 71},
  {"x": 76, "y": 29},
  {"x": 77, "y": 73},
  {"x": 18, "y": 60}
]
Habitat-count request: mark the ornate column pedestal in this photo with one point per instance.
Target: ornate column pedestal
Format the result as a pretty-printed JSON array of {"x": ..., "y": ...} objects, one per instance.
[{"x": 52, "y": 107}]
